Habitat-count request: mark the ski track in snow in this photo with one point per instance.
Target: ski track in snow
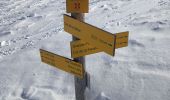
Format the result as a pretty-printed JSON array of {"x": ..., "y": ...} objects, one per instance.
[
  {"x": 28, "y": 24},
  {"x": 152, "y": 72}
]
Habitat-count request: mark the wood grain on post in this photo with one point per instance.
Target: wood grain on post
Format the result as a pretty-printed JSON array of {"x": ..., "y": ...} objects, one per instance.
[{"x": 80, "y": 84}]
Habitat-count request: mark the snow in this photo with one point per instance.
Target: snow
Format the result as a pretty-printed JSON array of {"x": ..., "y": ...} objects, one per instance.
[{"x": 140, "y": 71}]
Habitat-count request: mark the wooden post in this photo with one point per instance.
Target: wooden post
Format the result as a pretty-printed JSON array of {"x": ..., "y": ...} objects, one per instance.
[{"x": 80, "y": 84}]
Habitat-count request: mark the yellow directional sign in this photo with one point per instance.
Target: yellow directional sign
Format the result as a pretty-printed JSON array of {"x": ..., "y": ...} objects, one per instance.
[
  {"x": 122, "y": 39},
  {"x": 103, "y": 40},
  {"x": 77, "y": 6},
  {"x": 62, "y": 63},
  {"x": 80, "y": 48}
]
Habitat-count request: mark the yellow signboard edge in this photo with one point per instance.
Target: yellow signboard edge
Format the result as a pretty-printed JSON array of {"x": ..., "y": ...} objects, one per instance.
[{"x": 57, "y": 55}]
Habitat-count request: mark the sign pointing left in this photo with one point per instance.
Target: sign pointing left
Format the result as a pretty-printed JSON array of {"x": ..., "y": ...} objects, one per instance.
[{"x": 62, "y": 63}]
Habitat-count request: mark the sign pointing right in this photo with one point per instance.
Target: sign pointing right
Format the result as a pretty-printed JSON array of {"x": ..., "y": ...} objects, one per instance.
[
  {"x": 80, "y": 48},
  {"x": 103, "y": 40}
]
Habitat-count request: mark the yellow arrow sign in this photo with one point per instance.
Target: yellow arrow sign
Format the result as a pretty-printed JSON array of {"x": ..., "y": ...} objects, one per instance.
[
  {"x": 122, "y": 39},
  {"x": 103, "y": 40},
  {"x": 77, "y": 6},
  {"x": 80, "y": 48},
  {"x": 62, "y": 63}
]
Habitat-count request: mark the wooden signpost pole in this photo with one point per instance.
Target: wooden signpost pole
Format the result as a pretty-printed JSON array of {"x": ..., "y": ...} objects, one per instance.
[
  {"x": 93, "y": 40},
  {"x": 80, "y": 84}
]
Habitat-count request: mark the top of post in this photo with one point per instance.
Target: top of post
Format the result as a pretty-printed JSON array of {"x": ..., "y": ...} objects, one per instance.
[{"x": 77, "y": 6}]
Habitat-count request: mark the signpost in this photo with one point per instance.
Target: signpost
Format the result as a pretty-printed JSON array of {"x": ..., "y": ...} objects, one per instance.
[
  {"x": 62, "y": 63},
  {"x": 122, "y": 39},
  {"x": 81, "y": 48},
  {"x": 87, "y": 39},
  {"x": 103, "y": 40},
  {"x": 77, "y": 6},
  {"x": 80, "y": 84}
]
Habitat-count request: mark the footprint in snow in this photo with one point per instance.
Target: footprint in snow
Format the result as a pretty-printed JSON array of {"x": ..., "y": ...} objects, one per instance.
[
  {"x": 136, "y": 43},
  {"x": 102, "y": 96},
  {"x": 27, "y": 93},
  {"x": 4, "y": 33},
  {"x": 34, "y": 93}
]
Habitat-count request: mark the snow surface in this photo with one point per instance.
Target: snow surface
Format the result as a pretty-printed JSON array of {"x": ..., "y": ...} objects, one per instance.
[{"x": 140, "y": 71}]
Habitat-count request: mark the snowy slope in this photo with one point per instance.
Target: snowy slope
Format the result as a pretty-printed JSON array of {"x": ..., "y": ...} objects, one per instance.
[
  {"x": 24, "y": 23},
  {"x": 140, "y": 71}
]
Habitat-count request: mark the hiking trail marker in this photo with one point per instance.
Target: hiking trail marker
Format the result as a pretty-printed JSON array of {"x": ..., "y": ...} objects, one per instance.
[
  {"x": 80, "y": 48},
  {"x": 103, "y": 40},
  {"x": 77, "y": 6},
  {"x": 62, "y": 63},
  {"x": 87, "y": 39}
]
